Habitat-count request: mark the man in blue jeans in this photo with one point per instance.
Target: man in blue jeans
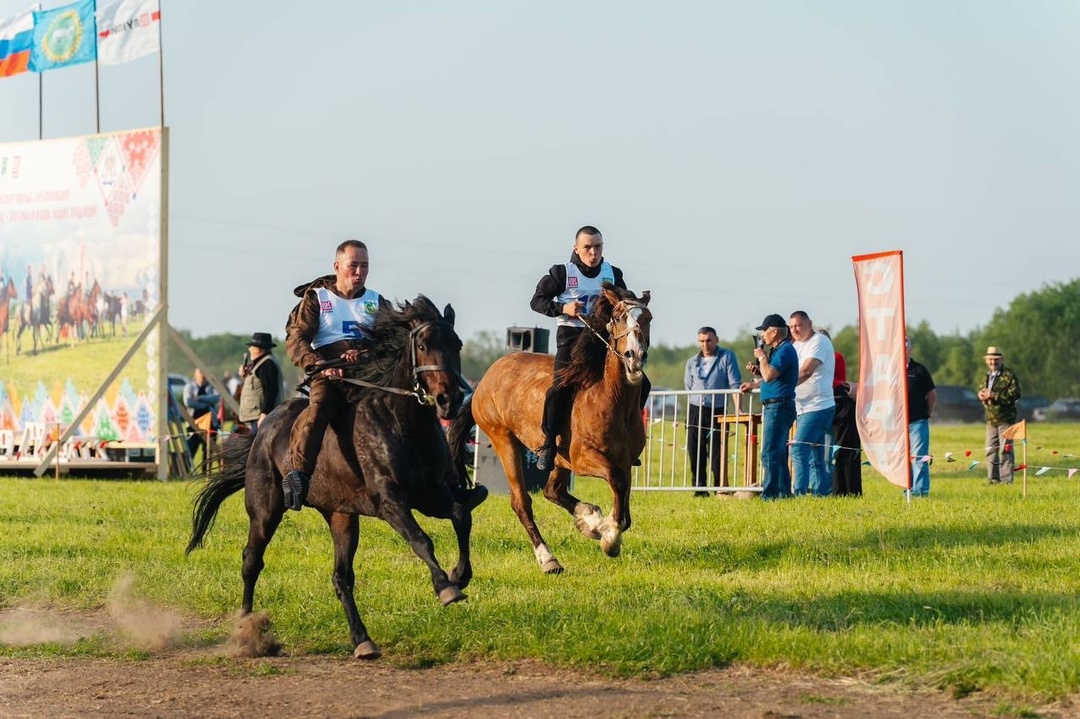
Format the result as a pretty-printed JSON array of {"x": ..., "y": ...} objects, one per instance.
[
  {"x": 778, "y": 372},
  {"x": 922, "y": 396},
  {"x": 814, "y": 406}
]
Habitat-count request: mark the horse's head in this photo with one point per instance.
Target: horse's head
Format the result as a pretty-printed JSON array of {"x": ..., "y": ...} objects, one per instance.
[
  {"x": 628, "y": 329},
  {"x": 435, "y": 351}
]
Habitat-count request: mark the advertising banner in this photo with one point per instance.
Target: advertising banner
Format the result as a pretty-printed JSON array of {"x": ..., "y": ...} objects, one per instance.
[
  {"x": 881, "y": 400},
  {"x": 80, "y": 271}
]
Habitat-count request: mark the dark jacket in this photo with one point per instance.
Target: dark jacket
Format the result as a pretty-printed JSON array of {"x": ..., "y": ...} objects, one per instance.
[{"x": 303, "y": 325}]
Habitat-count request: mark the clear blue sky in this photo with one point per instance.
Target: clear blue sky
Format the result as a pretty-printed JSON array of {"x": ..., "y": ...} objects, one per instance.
[{"x": 734, "y": 154}]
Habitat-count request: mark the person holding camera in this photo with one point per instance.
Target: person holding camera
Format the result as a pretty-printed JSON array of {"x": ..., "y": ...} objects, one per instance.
[
  {"x": 778, "y": 373},
  {"x": 261, "y": 391}
]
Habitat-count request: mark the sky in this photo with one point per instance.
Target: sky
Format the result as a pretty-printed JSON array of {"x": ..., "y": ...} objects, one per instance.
[{"x": 734, "y": 154}]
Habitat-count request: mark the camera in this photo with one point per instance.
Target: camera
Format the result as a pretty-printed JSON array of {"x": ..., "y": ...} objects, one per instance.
[{"x": 754, "y": 365}]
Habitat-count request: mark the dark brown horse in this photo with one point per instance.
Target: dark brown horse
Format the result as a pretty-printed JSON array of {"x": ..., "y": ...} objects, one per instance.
[
  {"x": 6, "y": 296},
  {"x": 603, "y": 435},
  {"x": 384, "y": 459}
]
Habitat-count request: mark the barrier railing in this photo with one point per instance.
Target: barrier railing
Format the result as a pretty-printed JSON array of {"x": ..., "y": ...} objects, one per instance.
[{"x": 712, "y": 439}]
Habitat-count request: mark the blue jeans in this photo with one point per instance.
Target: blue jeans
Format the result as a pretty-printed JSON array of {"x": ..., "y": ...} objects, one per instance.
[
  {"x": 808, "y": 454},
  {"x": 919, "y": 436},
  {"x": 776, "y": 421}
]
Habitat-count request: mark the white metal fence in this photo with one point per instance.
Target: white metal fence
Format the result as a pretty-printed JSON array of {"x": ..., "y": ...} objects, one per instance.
[{"x": 676, "y": 432}]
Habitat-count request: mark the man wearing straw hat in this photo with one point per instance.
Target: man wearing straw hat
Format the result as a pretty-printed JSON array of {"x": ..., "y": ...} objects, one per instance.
[{"x": 999, "y": 392}]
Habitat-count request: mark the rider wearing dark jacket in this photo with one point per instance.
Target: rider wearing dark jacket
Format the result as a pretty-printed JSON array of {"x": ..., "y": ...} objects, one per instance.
[
  {"x": 327, "y": 324},
  {"x": 566, "y": 292}
]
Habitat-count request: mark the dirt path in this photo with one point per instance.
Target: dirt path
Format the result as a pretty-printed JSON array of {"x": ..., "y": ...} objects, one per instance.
[
  {"x": 213, "y": 682},
  {"x": 190, "y": 685}
]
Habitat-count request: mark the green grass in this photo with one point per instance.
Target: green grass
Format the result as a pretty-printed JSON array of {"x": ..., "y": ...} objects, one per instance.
[{"x": 972, "y": 588}]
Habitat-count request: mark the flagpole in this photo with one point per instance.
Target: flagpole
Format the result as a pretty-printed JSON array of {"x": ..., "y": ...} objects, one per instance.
[
  {"x": 40, "y": 107},
  {"x": 1025, "y": 463},
  {"x": 161, "y": 65},
  {"x": 97, "y": 98}
]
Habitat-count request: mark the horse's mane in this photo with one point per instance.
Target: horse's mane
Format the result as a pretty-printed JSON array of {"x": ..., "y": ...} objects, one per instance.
[
  {"x": 587, "y": 356},
  {"x": 386, "y": 342}
]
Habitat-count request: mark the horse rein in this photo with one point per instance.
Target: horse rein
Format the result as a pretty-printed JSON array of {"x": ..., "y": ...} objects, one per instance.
[{"x": 422, "y": 396}]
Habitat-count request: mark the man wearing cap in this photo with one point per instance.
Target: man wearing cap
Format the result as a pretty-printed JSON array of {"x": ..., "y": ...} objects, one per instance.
[
  {"x": 261, "y": 391},
  {"x": 921, "y": 396},
  {"x": 999, "y": 392},
  {"x": 778, "y": 372}
]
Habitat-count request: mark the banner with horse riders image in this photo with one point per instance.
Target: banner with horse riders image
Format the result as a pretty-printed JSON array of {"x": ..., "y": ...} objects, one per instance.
[{"x": 80, "y": 268}]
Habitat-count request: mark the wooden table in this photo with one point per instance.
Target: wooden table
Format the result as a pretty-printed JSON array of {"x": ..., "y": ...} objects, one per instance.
[{"x": 752, "y": 423}]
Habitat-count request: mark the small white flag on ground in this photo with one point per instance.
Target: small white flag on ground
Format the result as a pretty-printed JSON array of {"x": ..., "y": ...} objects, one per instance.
[{"x": 127, "y": 31}]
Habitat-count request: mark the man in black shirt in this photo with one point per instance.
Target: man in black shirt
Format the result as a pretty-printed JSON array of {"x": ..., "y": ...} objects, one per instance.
[
  {"x": 566, "y": 292},
  {"x": 921, "y": 399}
]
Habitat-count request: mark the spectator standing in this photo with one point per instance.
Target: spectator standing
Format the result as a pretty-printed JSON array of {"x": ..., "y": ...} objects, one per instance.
[
  {"x": 712, "y": 368},
  {"x": 846, "y": 453},
  {"x": 261, "y": 391},
  {"x": 779, "y": 372},
  {"x": 999, "y": 392},
  {"x": 814, "y": 406},
  {"x": 200, "y": 399},
  {"x": 922, "y": 396}
]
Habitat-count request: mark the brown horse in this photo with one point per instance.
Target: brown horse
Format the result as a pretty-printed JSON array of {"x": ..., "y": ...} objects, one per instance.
[
  {"x": 384, "y": 459},
  {"x": 36, "y": 314},
  {"x": 603, "y": 435},
  {"x": 9, "y": 293}
]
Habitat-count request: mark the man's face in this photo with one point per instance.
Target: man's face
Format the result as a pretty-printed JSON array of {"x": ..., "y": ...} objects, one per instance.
[
  {"x": 994, "y": 363},
  {"x": 590, "y": 248},
  {"x": 351, "y": 269},
  {"x": 200, "y": 378},
  {"x": 707, "y": 342},
  {"x": 801, "y": 328}
]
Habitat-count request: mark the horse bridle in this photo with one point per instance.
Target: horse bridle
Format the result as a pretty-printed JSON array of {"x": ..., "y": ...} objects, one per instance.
[
  {"x": 418, "y": 391},
  {"x": 626, "y": 306}
]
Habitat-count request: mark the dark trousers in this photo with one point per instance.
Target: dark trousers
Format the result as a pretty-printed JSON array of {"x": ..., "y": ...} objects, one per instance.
[
  {"x": 703, "y": 443},
  {"x": 325, "y": 402},
  {"x": 847, "y": 474}
]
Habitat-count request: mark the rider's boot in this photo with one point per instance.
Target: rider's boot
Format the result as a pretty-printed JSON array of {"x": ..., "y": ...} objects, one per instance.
[
  {"x": 295, "y": 486},
  {"x": 545, "y": 456}
]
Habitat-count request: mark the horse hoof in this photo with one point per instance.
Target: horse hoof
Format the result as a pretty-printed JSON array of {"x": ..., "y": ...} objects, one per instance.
[
  {"x": 552, "y": 566},
  {"x": 612, "y": 547},
  {"x": 451, "y": 594},
  {"x": 586, "y": 531},
  {"x": 367, "y": 649}
]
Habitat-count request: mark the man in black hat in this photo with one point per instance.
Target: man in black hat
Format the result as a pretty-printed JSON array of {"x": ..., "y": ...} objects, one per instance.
[
  {"x": 261, "y": 391},
  {"x": 778, "y": 373}
]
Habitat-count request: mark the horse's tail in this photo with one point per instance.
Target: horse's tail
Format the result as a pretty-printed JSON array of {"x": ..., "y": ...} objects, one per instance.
[
  {"x": 220, "y": 484},
  {"x": 457, "y": 436}
]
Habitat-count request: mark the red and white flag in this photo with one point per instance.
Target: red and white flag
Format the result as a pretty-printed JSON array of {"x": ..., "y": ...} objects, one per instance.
[
  {"x": 881, "y": 402},
  {"x": 128, "y": 30}
]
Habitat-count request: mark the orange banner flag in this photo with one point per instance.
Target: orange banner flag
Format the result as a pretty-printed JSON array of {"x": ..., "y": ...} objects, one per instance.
[{"x": 1017, "y": 431}]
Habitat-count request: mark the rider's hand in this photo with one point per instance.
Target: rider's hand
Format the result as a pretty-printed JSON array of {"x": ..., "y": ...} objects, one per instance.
[
  {"x": 573, "y": 309},
  {"x": 351, "y": 355}
]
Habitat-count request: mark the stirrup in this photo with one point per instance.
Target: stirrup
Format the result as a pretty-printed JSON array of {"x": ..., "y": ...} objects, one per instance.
[{"x": 295, "y": 486}]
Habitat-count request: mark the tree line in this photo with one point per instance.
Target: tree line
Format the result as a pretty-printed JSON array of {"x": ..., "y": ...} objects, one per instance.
[{"x": 1038, "y": 332}]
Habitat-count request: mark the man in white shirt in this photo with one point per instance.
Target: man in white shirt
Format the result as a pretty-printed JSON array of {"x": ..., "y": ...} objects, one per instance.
[{"x": 814, "y": 407}]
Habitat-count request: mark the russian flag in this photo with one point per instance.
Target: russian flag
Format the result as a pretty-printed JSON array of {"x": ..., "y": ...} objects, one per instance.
[{"x": 16, "y": 41}]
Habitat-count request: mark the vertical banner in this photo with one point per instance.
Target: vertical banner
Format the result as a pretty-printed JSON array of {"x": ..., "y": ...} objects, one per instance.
[{"x": 881, "y": 401}]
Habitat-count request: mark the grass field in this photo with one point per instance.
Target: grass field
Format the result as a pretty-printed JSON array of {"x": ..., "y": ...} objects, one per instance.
[{"x": 974, "y": 587}]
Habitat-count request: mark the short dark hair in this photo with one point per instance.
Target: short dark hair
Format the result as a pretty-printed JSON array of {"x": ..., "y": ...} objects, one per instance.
[
  {"x": 801, "y": 315},
  {"x": 706, "y": 330},
  {"x": 350, "y": 244},
  {"x": 588, "y": 230}
]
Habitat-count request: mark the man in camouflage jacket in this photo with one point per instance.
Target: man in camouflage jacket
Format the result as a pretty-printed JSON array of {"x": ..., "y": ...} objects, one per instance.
[{"x": 999, "y": 392}]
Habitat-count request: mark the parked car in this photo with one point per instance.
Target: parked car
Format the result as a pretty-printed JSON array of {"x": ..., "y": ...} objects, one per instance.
[
  {"x": 1059, "y": 409},
  {"x": 177, "y": 383},
  {"x": 956, "y": 403},
  {"x": 1027, "y": 406}
]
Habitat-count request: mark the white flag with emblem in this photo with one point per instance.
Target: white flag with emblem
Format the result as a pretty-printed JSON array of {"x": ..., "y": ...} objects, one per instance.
[{"x": 128, "y": 30}]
